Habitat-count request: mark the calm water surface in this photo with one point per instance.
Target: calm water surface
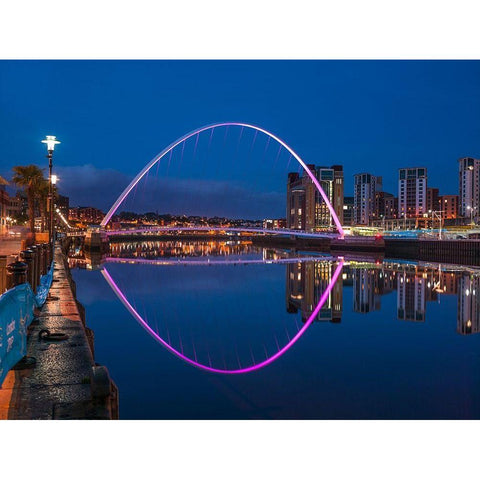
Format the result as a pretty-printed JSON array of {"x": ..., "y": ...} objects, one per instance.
[{"x": 392, "y": 340}]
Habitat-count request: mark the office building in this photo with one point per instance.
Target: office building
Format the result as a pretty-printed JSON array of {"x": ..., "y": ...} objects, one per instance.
[
  {"x": 412, "y": 192},
  {"x": 365, "y": 188},
  {"x": 469, "y": 189},
  {"x": 306, "y": 208}
]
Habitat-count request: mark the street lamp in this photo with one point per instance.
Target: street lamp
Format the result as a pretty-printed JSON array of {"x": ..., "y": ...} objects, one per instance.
[
  {"x": 471, "y": 213},
  {"x": 50, "y": 141}
]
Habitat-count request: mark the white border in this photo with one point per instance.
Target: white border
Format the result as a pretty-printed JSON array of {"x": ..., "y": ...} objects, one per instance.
[{"x": 258, "y": 29}]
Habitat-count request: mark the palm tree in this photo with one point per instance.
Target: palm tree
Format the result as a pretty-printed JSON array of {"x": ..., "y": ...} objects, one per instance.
[
  {"x": 43, "y": 190},
  {"x": 29, "y": 178}
]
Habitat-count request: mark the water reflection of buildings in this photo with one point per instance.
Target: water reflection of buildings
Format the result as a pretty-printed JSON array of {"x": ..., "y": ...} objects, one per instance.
[
  {"x": 365, "y": 290},
  {"x": 468, "y": 309},
  {"x": 306, "y": 281},
  {"x": 180, "y": 248},
  {"x": 411, "y": 295},
  {"x": 415, "y": 285},
  {"x": 369, "y": 284}
]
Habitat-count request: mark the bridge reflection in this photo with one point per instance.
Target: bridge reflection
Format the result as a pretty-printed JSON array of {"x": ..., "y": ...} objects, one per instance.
[{"x": 317, "y": 289}]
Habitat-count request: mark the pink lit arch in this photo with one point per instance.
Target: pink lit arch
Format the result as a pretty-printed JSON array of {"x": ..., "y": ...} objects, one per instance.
[
  {"x": 208, "y": 368},
  {"x": 165, "y": 151}
]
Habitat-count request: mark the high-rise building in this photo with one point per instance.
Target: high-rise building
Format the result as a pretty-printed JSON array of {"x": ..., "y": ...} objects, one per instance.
[
  {"x": 338, "y": 191},
  {"x": 306, "y": 208},
  {"x": 469, "y": 188},
  {"x": 365, "y": 188},
  {"x": 331, "y": 181},
  {"x": 412, "y": 192}
]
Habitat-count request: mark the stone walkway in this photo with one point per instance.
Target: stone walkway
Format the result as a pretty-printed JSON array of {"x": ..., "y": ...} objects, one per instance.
[{"x": 60, "y": 385}]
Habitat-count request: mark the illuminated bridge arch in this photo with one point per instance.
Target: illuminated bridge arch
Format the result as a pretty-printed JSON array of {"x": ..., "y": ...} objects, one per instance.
[
  {"x": 209, "y": 368},
  {"x": 197, "y": 131}
]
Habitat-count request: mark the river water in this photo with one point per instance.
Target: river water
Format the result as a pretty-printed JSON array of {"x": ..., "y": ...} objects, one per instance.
[{"x": 226, "y": 330}]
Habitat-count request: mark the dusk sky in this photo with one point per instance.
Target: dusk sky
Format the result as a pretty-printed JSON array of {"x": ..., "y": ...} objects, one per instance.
[{"x": 112, "y": 117}]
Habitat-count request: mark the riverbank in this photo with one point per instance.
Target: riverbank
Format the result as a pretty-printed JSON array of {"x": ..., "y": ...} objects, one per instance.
[{"x": 65, "y": 382}]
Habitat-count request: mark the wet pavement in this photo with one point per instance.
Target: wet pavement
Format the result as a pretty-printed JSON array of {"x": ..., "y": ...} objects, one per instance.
[{"x": 60, "y": 384}]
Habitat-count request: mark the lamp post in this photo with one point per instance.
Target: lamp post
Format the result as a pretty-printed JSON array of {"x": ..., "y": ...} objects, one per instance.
[
  {"x": 50, "y": 141},
  {"x": 472, "y": 209}
]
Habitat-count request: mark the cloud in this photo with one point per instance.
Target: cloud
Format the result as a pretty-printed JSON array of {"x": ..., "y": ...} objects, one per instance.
[{"x": 90, "y": 186}]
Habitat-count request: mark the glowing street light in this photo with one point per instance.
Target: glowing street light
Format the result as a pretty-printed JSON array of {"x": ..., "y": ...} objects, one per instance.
[{"x": 50, "y": 141}]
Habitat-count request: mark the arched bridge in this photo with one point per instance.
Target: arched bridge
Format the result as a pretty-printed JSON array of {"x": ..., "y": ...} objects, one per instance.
[
  {"x": 211, "y": 127},
  {"x": 153, "y": 230}
]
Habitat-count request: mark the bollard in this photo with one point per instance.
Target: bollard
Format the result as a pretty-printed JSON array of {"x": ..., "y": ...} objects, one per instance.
[
  {"x": 27, "y": 257},
  {"x": 38, "y": 258},
  {"x": 45, "y": 257},
  {"x": 16, "y": 274},
  {"x": 40, "y": 253},
  {"x": 36, "y": 269},
  {"x": 34, "y": 281},
  {"x": 50, "y": 253},
  {"x": 47, "y": 253}
]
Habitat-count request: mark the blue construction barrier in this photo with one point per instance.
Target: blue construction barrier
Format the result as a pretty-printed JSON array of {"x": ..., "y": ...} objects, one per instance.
[{"x": 16, "y": 315}]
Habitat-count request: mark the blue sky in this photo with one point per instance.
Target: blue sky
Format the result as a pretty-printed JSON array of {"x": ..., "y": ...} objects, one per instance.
[{"x": 114, "y": 116}]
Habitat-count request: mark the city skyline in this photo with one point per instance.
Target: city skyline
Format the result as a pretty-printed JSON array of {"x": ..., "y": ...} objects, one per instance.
[{"x": 330, "y": 112}]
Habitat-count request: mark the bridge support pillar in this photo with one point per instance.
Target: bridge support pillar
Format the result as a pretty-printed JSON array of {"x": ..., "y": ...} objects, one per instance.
[{"x": 96, "y": 241}]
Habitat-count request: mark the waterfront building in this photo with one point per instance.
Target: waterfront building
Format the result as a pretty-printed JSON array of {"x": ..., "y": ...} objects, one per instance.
[
  {"x": 338, "y": 191},
  {"x": 85, "y": 214},
  {"x": 449, "y": 206},
  {"x": 18, "y": 205},
  {"x": 274, "y": 223},
  {"x": 469, "y": 188},
  {"x": 433, "y": 200},
  {"x": 365, "y": 188},
  {"x": 412, "y": 192},
  {"x": 385, "y": 206},
  {"x": 306, "y": 209}
]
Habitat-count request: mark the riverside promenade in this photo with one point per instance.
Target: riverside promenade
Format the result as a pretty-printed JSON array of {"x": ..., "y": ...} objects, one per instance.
[{"x": 65, "y": 383}]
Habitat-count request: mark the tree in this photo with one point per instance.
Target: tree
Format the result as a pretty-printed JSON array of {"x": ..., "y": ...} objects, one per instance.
[
  {"x": 30, "y": 178},
  {"x": 43, "y": 190}
]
